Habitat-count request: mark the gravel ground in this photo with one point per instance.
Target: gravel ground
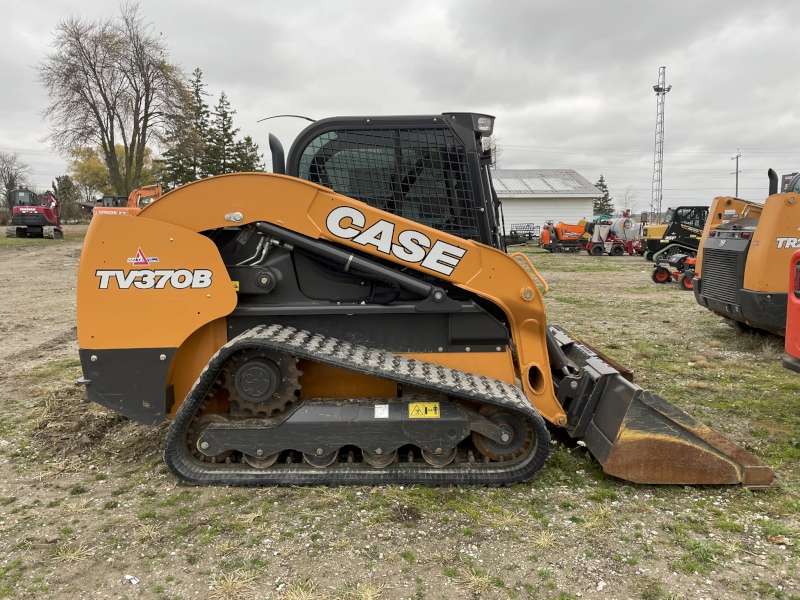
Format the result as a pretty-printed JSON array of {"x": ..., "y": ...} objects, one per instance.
[{"x": 85, "y": 500}]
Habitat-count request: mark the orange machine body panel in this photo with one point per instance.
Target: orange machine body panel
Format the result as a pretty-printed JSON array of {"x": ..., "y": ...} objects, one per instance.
[
  {"x": 565, "y": 232},
  {"x": 173, "y": 223},
  {"x": 717, "y": 216}
]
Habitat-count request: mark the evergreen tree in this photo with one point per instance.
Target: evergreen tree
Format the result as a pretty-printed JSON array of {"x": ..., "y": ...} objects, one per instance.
[
  {"x": 68, "y": 195},
  {"x": 221, "y": 148},
  {"x": 603, "y": 204},
  {"x": 247, "y": 157},
  {"x": 186, "y": 144}
]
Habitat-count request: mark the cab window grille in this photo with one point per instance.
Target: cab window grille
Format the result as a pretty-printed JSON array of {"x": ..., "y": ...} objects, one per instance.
[{"x": 419, "y": 174}]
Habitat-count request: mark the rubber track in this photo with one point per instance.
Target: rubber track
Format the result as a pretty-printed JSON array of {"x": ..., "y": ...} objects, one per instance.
[{"x": 378, "y": 363}]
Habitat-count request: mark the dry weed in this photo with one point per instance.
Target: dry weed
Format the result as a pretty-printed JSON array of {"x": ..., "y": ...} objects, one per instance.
[
  {"x": 305, "y": 590},
  {"x": 770, "y": 351},
  {"x": 476, "y": 581},
  {"x": 362, "y": 591},
  {"x": 148, "y": 534},
  {"x": 545, "y": 539},
  {"x": 75, "y": 508},
  {"x": 266, "y": 529},
  {"x": 601, "y": 519},
  {"x": 444, "y": 557},
  {"x": 504, "y": 519},
  {"x": 237, "y": 585},
  {"x": 226, "y": 548},
  {"x": 70, "y": 554},
  {"x": 251, "y": 517}
]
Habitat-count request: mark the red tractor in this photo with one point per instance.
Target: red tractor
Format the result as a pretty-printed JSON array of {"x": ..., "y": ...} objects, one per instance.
[{"x": 34, "y": 215}]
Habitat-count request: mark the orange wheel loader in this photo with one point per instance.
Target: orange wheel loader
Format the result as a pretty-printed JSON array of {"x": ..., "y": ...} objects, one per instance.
[{"x": 354, "y": 318}]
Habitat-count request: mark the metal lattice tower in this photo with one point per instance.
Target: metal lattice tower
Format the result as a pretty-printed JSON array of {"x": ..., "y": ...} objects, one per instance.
[{"x": 661, "y": 90}]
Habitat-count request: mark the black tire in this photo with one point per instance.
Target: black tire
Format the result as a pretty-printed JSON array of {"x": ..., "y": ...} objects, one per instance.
[
  {"x": 597, "y": 250},
  {"x": 648, "y": 255},
  {"x": 685, "y": 280},
  {"x": 617, "y": 251},
  {"x": 660, "y": 275}
]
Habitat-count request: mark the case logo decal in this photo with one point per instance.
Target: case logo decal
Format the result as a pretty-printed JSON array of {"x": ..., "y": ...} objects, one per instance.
[
  {"x": 348, "y": 223},
  {"x": 788, "y": 242},
  {"x": 140, "y": 260},
  {"x": 147, "y": 279}
]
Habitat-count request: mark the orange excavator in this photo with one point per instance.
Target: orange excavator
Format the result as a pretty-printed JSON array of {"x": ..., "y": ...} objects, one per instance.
[
  {"x": 563, "y": 237},
  {"x": 137, "y": 200}
]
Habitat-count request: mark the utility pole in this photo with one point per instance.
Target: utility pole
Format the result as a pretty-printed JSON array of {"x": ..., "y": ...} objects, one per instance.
[
  {"x": 661, "y": 90},
  {"x": 736, "y": 158}
]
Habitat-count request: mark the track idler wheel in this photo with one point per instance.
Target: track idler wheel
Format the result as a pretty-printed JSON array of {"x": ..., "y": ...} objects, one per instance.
[
  {"x": 261, "y": 462},
  {"x": 379, "y": 461},
  {"x": 520, "y": 435},
  {"x": 661, "y": 275},
  {"x": 439, "y": 460},
  {"x": 321, "y": 460},
  {"x": 198, "y": 427}
]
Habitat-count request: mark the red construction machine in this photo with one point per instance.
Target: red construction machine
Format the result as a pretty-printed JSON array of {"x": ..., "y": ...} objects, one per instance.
[{"x": 34, "y": 215}]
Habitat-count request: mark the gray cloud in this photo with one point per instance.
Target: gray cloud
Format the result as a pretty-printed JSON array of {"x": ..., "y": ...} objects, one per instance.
[{"x": 571, "y": 83}]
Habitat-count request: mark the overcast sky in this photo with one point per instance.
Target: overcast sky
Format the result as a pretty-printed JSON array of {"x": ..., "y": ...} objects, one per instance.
[{"x": 571, "y": 83}]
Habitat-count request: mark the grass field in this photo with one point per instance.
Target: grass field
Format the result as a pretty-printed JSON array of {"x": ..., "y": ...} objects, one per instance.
[
  {"x": 72, "y": 233},
  {"x": 86, "y": 500}
]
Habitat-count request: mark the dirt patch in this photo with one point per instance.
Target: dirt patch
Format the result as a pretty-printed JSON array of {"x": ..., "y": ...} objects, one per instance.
[{"x": 85, "y": 499}]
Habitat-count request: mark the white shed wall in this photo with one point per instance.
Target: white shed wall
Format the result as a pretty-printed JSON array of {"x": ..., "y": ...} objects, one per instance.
[{"x": 538, "y": 211}]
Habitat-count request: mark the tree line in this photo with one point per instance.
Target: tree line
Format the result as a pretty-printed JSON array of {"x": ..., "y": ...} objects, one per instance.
[{"x": 126, "y": 116}]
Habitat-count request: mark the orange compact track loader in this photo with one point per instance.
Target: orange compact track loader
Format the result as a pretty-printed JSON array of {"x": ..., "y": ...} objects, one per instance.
[
  {"x": 357, "y": 321},
  {"x": 137, "y": 200},
  {"x": 741, "y": 272}
]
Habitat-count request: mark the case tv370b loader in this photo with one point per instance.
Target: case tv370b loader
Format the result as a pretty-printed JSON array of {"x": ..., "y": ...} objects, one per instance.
[{"x": 357, "y": 321}]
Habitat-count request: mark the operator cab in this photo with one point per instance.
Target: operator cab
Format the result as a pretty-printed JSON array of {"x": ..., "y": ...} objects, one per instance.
[
  {"x": 24, "y": 197},
  {"x": 793, "y": 184},
  {"x": 430, "y": 169},
  {"x": 114, "y": 201},
  {"x": 693, "y": 216}
]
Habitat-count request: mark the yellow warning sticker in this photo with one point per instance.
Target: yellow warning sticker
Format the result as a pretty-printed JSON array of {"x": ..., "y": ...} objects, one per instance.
[
  {"x": 423, "y": 410},
  {"x": 235, "y": 286}
]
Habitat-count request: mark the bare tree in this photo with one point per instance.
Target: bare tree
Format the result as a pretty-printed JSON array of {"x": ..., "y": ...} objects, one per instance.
[
  {"x": 493, "y": 143},
  {"x": 13, "y": 174},
  {"x": 628, "y": 200},
  {"x": 110, "y": 83}
]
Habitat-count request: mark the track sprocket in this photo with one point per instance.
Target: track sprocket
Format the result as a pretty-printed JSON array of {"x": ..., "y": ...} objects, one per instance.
[{"x": 261, "y": 383}]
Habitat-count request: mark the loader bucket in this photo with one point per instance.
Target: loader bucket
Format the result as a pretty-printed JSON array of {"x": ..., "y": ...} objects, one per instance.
[{"x": 640, "y": 437}]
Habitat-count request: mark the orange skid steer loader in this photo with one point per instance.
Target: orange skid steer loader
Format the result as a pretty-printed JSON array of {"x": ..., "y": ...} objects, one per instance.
[{"x": 357, "y": 321}]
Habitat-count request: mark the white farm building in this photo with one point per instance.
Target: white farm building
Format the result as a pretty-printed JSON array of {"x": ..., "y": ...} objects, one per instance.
[{"x": 540, "y": 195}]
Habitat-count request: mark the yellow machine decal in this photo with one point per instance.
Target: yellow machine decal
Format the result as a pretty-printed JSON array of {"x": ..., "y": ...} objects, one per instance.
[
  {"x": 235, "y": 286},
  {"x": 423, "y": 410}
]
